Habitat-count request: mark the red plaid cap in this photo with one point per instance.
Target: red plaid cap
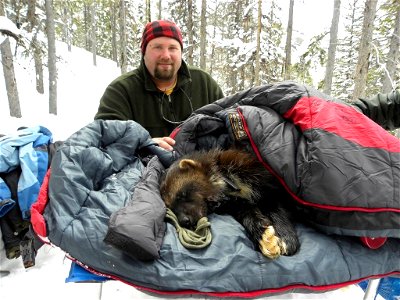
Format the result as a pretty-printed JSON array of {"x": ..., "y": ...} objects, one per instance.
[{"x": 160, "y": 28}]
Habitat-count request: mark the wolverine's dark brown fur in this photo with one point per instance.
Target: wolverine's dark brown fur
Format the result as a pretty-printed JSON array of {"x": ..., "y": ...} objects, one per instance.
[{"x": 234, "y": 182}]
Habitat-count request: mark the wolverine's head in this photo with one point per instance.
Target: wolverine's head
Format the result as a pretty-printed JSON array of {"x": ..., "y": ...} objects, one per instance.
[{"x": 186, "y": 188}]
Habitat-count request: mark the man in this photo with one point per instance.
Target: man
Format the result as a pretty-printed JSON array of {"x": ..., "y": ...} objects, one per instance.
[
  {"x": 163, "y": 91},
  {"x": 383, "y": 109}
]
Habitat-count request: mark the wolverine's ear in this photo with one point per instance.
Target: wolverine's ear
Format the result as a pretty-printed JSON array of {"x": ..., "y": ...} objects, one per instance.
[{"x": 186, "y": 164}]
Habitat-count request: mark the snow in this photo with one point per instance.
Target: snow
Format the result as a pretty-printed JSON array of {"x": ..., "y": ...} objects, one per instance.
[
  {"x": 80, "y": 86},
  {"x": 8, "y": 26}
]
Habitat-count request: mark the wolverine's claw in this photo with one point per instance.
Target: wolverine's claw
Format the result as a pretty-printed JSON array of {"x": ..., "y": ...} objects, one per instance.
[{"x": 271, "y": 245}]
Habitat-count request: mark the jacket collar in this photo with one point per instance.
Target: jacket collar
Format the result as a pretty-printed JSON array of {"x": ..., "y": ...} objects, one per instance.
[{"x": 183, "y": 77}]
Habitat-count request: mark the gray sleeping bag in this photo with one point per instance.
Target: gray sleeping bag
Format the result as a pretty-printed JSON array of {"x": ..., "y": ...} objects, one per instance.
[{"x": 101, "y": 185}]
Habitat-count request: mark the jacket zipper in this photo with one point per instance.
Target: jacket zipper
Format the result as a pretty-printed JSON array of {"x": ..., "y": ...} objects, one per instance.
[{"x": 171, "y": 109}]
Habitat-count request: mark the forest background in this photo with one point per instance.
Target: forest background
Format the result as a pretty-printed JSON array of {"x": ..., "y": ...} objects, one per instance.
[{"x": 241, "y": 43}]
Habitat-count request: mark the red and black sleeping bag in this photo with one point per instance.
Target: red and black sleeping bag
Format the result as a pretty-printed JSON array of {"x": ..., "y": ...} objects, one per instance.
[{"x": 342, "y": 168}]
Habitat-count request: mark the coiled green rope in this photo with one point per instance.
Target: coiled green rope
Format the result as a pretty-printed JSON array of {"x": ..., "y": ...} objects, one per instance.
[{"x": 199, "y": 238}]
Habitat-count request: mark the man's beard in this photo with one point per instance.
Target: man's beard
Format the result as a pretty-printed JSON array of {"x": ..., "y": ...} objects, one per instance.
[{"x": 164, "y": 74}]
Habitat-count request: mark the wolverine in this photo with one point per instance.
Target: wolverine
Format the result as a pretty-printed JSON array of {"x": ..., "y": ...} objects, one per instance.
[{"x": 231, "y": 182}]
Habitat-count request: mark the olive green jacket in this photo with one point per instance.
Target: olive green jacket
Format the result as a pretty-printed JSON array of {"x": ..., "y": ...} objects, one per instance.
[
  {"x": 384, "y": 109},
  {"x": 134, "y": 96}
]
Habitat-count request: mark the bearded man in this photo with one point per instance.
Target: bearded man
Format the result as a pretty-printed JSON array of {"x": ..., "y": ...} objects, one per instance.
[{"x": 163, "y": 91}]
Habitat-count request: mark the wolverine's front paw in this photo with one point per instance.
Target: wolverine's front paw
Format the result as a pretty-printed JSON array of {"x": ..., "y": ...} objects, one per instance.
[{"x": 270, "y": 244}]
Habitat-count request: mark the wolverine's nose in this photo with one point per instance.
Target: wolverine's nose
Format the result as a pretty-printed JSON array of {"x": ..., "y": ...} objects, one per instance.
[{"x": 185, "y": 222}]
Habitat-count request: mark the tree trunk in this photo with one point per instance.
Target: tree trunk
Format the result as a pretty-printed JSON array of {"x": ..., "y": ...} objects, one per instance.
[
  {"x": 360, "y": 77},
  {"x": 30, "y": 15},
  {"x": 114, "y": 44},
  {"x": 51, "y": 37},
  {"x": 9, "y": 74},
  {"x": 67, "y": 26},
  {"x": 288, "y": 46},
  {"x": 33, "y": 25},
  {"x": 93, "y": 31},
  {"x": 148, "y": 11},
  {"x": 203, "y": 35},
  {"x": 37, "y": 57},
  {"x": 212, "y": 54},
  {"x": 159, "y": 13},
  {"x": 393, "y": 56},
  {"x": 258, "y": 50},
  {"x": 122, "y": 33},
  {"x": 189, "y": 56},
  {"x": 332, "y": 48},
  {"x": 86, "y": 16}
]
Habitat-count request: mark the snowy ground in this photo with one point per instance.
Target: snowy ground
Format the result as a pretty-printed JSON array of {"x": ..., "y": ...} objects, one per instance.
[{"x": 80, "y": 85}]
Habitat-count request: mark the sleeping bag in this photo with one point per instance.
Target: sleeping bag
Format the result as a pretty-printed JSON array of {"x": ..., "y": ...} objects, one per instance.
[{"x": 104, "y": 208}]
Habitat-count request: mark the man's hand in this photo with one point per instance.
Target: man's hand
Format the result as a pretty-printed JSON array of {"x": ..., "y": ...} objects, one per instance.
[{"x": 165, "y": 142}]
